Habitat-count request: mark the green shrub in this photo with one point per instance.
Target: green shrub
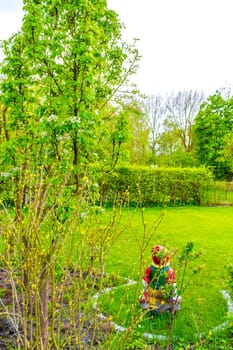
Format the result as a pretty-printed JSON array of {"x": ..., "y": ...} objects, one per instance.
[{"x": 156, "y": 186}]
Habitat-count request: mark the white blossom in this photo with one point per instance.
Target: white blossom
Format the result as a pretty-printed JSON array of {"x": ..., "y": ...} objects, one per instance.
[
  {"x": 74, "y": 120},
  {"x": 59, "y": 60},
  {"x": 52, "y": 117},
  {"x": 43, "y": 134},
  {"x": 83, "y": 215}
]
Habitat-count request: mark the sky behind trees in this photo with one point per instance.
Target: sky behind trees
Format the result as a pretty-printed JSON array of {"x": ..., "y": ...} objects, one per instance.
[{"x": 184, "y": 44}]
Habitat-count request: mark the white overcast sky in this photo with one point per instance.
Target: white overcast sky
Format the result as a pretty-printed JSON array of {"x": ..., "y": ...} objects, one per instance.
[{"x": 184, "y": 44}]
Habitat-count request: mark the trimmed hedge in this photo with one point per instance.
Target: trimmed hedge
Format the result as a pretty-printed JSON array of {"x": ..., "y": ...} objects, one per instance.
[{"x": 156, "y": 186}]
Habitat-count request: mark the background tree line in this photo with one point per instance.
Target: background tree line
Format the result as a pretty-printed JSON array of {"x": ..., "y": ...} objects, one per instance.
[{"x": 184, "y": 129}]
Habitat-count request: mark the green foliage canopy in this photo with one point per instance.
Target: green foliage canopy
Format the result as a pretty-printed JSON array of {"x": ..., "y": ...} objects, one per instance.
[
  {"x": 213, "y": 122},
  {"x": 60, "y": 73}
]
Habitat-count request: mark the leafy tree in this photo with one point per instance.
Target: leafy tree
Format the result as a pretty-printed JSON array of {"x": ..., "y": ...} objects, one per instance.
[
  {"x": 213, "y": 122},
  {"x": 112, "y": 137},
  {"x": 60, "y": 75},
  {"x": 126, "y": 139},
  {"x": 138, "y": 141},
  {"x": 226, "y": 153},
  {"x": 60, "y": 72},
  {"x": 3, "y": 129},
  {"x": 171, "y": 152}
]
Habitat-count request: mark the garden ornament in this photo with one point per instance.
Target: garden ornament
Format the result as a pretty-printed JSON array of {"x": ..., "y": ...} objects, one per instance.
[{"x": 159, "y": 287}]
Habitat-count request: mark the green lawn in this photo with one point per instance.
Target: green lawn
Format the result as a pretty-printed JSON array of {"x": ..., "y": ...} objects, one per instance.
[
  {"x": 203, "y": 306},
  {"x": 211, "y": 230}
]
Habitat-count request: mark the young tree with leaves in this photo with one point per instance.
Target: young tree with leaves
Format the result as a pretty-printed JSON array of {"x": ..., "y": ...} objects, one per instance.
[
  {"x": 72, "y": 54},
  {"x": 212, "y": 124},
  {"x": 60, "y": 73}
]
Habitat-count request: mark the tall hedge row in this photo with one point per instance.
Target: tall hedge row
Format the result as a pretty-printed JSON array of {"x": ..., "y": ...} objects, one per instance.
[{"x": 156, "y": 186}]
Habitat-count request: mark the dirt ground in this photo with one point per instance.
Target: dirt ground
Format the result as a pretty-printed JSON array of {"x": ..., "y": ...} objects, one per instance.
[{"x": 91, "y": 336}]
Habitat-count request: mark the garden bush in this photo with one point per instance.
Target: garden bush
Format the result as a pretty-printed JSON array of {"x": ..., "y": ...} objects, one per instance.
[{"x": 156, "y": 186}]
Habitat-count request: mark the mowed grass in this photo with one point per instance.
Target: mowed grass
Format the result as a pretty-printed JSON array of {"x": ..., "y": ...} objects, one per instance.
[
  {"x": 209, "y": 228},
  {"x": 203, "y": 306}
]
